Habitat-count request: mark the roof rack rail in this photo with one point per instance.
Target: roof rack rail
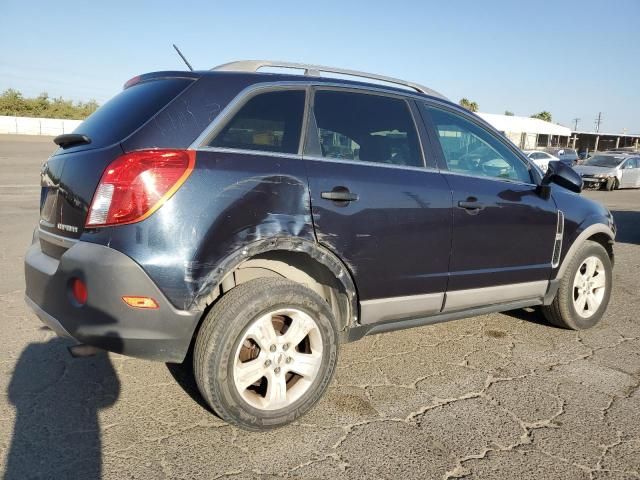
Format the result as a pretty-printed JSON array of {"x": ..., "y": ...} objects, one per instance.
[{"x": 314, "y": 71}]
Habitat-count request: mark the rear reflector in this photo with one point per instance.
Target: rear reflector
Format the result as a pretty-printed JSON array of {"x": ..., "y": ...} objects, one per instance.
[
  {"x": 140, "y": 302},
  {"x": 79, "y": 291},
  {"x": 137, "y": 184}
]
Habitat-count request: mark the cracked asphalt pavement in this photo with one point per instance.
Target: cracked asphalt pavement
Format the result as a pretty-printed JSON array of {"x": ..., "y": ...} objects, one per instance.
[{"x": 497, "y": 396}]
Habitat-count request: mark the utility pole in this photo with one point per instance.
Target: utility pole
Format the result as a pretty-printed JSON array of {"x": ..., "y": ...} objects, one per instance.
[
  {"x": 598, "y": 121},
  {"x": 575, "y": 124}
]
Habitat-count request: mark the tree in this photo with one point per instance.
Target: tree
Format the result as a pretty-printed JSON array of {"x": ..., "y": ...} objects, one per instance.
[
  {"x": 544, "y": 115},
  {"x": 468, "y": 104},
  {"x": 508, "y": 113},
  {"x": 12, "y": 103}
]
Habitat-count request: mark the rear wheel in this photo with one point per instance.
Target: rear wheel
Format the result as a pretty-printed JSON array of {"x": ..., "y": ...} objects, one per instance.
[
  {"x": 585, "y": 288},
  {"x": 265, "y": 353}
]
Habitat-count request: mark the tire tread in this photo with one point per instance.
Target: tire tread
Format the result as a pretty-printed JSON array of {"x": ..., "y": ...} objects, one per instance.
[{"x": 211, "y": 336}]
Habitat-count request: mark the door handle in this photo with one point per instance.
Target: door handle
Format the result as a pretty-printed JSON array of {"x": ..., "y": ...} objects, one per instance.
[
  {"x": 471, "y": 205},
  {"x": 339, "y": 194}
]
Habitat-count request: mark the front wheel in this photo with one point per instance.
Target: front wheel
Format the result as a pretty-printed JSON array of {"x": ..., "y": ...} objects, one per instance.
[
  {"x": 610, "y": 184},
  {"x": 265, "y": 353},
  {"x": 585, "y": 289}
]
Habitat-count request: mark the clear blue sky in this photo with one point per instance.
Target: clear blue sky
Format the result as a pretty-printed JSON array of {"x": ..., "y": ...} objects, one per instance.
[{"x": 573, "y": 58}]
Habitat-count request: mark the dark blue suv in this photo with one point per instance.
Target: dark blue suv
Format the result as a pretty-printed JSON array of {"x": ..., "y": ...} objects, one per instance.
[{"x": 258, "y": 220}]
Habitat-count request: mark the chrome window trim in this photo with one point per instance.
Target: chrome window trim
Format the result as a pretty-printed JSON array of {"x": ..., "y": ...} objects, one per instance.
[
  {"x": 495, "y": 179},
  {"x": 244, "y": 151},
  {"x": 58, "y": 240},
  {"x": 371, "y": 164}
]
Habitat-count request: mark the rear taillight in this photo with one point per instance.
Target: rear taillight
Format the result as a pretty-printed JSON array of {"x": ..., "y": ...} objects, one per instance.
[{"x": 136, "y": 184}]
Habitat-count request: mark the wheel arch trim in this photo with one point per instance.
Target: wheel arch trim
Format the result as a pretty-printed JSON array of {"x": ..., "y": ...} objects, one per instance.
[
  {"x": 312, "y": 250},
  {"x": 587, "y": 233}
]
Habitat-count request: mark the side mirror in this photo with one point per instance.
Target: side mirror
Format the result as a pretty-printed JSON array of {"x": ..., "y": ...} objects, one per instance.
[{"x": 563, "y": 175}]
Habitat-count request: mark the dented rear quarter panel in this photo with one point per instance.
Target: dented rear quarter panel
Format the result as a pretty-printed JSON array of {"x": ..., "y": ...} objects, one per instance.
[{"x": 230, "y": 201}]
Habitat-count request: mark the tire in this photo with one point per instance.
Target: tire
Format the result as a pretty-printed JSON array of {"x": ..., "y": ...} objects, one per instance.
[
  {"x": 235, "y": 345},
  {"x": 610, "y": 184},
  {"x": 568, "y": 309}
]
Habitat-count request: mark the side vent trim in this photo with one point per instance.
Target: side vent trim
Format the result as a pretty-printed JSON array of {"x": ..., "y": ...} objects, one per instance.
[{"x": 557, "y": 244}]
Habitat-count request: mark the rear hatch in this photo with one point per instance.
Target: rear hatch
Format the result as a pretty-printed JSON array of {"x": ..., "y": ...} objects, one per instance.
[{"x": 70, "y": 177}]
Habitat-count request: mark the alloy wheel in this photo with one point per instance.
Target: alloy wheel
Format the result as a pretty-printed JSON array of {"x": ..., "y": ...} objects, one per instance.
[
  {"x": 589, "y": 286},
  {"x": 277, "y": 359}
]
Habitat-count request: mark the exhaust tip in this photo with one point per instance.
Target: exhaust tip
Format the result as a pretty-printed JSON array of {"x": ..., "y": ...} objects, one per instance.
[{"x": 81, "y": 350}]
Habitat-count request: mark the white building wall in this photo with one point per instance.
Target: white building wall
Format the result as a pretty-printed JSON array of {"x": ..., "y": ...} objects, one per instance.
[
  {"x": 530, "y": 141},
  {"x": 514, "y": 137},
  {"x": 514, "y": 127},
  {"x": 37, "y": 126}
]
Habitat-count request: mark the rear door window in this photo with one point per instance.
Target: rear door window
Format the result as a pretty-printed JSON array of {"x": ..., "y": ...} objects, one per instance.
[
  {"x": 270, "y": 122},
  {"x": 366, "y": 127},
  {"x": 127, "y": 111}
]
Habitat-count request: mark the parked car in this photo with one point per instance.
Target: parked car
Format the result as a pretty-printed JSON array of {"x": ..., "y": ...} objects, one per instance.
[
  {"x": 540, "y": 158},
  {"x": 567, "y": 156},
  {"x": 611, "y": 170},
  {"x": 212, "y": 212}
]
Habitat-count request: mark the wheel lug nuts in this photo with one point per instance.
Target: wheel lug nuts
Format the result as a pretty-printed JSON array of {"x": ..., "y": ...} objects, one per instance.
[
  {"x": 272, "y": 348},
  {"x": 267, "y": 363},
  {"x": 285, "y": 347},
  {"x": 289, "y": 359},
  {"x": 276, "y": 370}
]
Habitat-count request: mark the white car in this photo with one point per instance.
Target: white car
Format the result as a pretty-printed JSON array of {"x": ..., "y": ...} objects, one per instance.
[
  {"x": 611, "y": 171},
  {"x": 540, "y": 158}
]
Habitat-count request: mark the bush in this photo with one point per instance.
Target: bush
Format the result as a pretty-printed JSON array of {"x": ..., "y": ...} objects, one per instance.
[{"x": 12, "y": 103}]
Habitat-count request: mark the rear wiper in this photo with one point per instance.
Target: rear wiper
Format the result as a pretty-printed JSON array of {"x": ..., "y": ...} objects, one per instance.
[{"x": 71, "y": 140}]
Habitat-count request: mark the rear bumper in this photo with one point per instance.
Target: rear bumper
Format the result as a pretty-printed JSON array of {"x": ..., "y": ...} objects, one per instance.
[{"x": 105, "y": 321}]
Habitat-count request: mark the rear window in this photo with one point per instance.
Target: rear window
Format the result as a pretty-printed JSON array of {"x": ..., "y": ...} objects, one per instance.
[
  {"x": 271, "y": 122},
  {"x": 127, "y": 111},
  {"x": 568, "y": 154}
]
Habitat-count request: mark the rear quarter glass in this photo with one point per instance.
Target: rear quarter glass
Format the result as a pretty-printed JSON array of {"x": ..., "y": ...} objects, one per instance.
[{"x": 127, "y": 111}]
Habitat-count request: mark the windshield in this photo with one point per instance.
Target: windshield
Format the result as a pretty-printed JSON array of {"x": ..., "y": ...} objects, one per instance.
[{"x": 604, "y": 161}]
